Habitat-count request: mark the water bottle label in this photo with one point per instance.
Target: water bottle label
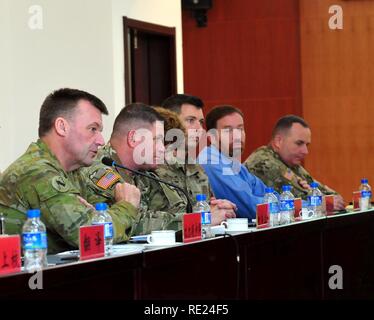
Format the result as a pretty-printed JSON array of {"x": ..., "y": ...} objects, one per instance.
[
  {"x": 34, "y": 240},
  {"x": 287, "y": 205},
  {"x": 273, "y": 207},
  {"x": 108, "y": 230},
  {"x": 206, "y": 217},
  {"x": 315, "y": 201},
  {"x": 366, "y": 194}
]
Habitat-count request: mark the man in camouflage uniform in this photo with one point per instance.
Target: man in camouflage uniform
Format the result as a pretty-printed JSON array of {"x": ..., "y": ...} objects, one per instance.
[
  {"x": 185, "y": 172},
  {"x": 161, "y": 205},
  {"x": 279, "y": 163},
  {"x": 189, "y": 177},
  {"x": 47, "y": 176}
]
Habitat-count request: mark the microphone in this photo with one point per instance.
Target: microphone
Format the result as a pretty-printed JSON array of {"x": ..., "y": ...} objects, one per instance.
[
  {"x": 2, "y": 224},
  {"x": 111, "y": 163}
]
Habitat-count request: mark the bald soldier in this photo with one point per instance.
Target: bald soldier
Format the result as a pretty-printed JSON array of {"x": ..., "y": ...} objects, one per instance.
[
  {"x": 138, "y": 128},
  {"x": 47, "y": 176},
  {"x": 279, "y": 163}
]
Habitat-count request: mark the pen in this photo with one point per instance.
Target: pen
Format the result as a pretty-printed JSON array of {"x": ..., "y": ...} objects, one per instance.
[{"x": 70, "y": 258}]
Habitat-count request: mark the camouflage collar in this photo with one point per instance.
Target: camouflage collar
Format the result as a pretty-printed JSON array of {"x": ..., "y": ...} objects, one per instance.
[
  {"x": 192, "y": 169},
  {"x": 109, "y": 151},
  {"x": 272, "y": 151},
  {"x": 277, "y": 156},
  {"x": 188, "y": 169},
  {"x": 41, "y": 145}
]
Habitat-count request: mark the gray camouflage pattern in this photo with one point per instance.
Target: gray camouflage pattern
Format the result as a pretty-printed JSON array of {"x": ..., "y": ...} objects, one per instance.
[
  {"x": 37, "y": 180},
  {"x": 266, "y": 164},
  {"x": 161, "y": 206},
  {"x": 190, "y": 177}
]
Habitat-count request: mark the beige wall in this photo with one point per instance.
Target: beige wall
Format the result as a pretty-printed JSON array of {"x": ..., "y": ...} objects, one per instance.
[
  {"x": 6, "y": 84},
  {"x": 337, "y": 92},
  {"x": 80, "y": 46}
]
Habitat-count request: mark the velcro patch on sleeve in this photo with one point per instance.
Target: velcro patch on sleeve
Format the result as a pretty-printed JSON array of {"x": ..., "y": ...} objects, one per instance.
[
  {"x": 108, "y": 179},
  {"x": 288, "y": 174}
]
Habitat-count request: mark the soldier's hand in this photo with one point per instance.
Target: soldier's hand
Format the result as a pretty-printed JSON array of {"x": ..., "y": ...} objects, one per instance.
[
  {"x": 127, "y": 192},
  {"x": 338, "y": 202},
  {"x": 85, "y": 203},
  {"x": 304, "y": 184}
]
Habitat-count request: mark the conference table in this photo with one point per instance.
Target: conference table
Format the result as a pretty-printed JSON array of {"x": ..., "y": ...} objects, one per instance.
[{"x": 320, "y": 259}]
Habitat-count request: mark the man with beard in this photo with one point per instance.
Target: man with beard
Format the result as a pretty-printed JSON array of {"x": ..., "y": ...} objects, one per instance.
[
  {"x": 221, "y": 161},
  {"x": 279, "y": 163}
]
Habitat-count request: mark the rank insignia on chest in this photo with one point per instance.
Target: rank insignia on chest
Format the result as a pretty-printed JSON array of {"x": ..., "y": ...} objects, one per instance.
[{"x": 108, "y": 179}]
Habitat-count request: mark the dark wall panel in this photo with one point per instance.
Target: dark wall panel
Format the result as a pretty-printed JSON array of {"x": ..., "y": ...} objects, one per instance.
[{"x": 247, "y": 56}]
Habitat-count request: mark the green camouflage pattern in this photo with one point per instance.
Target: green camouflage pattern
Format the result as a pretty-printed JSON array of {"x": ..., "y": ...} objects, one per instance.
[
  {"x": 266, "y": 164},
  {"x": 161, "y": 206},
  {"x": 189, "y": 177},
  {"x": 37, "y": 180}
]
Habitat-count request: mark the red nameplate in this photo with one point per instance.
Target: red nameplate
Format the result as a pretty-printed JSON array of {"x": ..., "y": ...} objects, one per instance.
[
  {"x": 91, "y": 242},
  {"x": 191, "y": 227},
  {"x": 356, "y": 200},
  {"x": 298, "y": 206},
  {"x": 10, "y": 254},
  {"x": 262, "y": 215},
  {"x": 329, "y": 202}
]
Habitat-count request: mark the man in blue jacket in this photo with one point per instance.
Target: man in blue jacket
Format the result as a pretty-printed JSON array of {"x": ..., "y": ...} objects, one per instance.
[{"x": 229, "y": 179}]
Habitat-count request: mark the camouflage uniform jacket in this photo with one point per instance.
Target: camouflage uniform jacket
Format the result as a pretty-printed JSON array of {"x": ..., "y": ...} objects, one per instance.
[
  {"x": 37, "y": 180},
  {"x": 189, "y": 177},
  {"x": 266, "y": 164},
  {"x": 161, "y": 206}
]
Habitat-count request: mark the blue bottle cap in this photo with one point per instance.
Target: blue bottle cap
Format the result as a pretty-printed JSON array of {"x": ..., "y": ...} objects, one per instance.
[
  {"x": 314, "y": 185},
  {"x": 200, "y": 197},
  {"x": 364, "y": 181},
  {"x": 269, "y": 190},
  {"x": 33, "y": 213},
  {"x": 286, "y": 188},
  {"x": 101, "y": 206}
]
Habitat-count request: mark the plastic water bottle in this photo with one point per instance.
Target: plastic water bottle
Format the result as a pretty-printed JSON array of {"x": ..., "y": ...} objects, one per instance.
[
  {"x": 287, "y": 206},
  {"x": 34, "y": 239},
  {"x": 272, "y": 200},
  {"x": 101, "y": 216},
  {"x": 365, "y": 200},
  {"x": 206, "y": 217},
  {"x": 315, "y": 200}
]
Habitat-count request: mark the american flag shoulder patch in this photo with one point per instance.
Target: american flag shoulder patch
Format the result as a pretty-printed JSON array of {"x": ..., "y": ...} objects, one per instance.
[{"x": 108, "y": 179}]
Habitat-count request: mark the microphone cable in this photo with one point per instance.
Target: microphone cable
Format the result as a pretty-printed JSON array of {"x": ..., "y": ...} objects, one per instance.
[{"x": 238, "y": 262}]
